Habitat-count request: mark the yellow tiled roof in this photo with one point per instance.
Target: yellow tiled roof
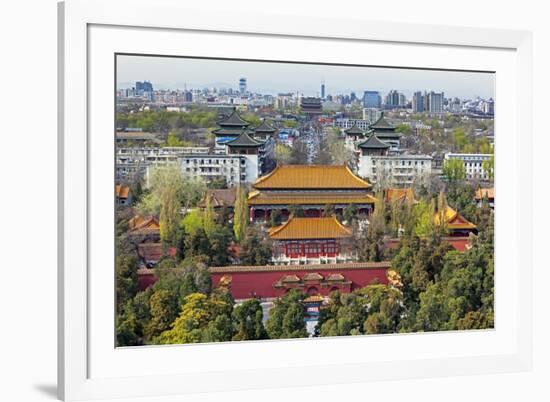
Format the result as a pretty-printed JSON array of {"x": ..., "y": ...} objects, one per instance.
[
  {"x": 122, "y": 191},
  {"x": 309, "y": 198},
  {"x": 311, "y": 177},
  {"x": 454, "y": 220},
  {"x": 142, "y": 223},
  {"x": 309, "y": 228},
  {"x": 485, "y": 192},
  {"x": 398, "y": 194}
]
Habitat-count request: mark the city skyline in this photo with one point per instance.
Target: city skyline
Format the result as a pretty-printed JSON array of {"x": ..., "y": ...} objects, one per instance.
[{"x": 277, "y": 77}]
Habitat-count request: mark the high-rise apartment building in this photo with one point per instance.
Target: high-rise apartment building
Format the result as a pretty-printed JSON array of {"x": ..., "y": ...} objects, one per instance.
[
  {"x": 435, "y": 102},
  {"x": 418, "y": 102},
  {"x": 242, "y": 85},
  {"x": 372, "y": 99}
]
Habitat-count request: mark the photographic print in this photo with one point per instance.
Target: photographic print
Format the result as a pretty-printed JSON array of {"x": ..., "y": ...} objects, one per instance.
[{"x": 264, "y": 200}]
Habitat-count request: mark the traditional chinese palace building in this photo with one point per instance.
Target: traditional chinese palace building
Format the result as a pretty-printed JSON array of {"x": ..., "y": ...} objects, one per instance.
[
  {"x": 311, "y": 241},
  {"x": 230, "y": 128},
  {"x": 264, "y": 131},
  {"x": 311, "y": 188},
  {"x": 311, "y": 106},
  {"x": 271, "y": 281},
  {"x": 399, "y": 195},
  {"x": 235, "y": 138},
  {"x": 485, "y": 194},
  {"x": 385, "y": 132},
  {"x": 455, "y": 223}
]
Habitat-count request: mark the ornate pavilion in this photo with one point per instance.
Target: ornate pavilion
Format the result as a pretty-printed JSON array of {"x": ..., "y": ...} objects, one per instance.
[
  {"x": 311, "y": 241},
  {"x": 230, "y": 128},
  {"x": 456, "y": 224},
  {"x": 311, "y": 188},
  {"x": 386, "y": 132}
]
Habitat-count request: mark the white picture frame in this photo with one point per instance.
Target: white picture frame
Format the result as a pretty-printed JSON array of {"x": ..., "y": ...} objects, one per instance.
[{"x": 89, "y": 33}]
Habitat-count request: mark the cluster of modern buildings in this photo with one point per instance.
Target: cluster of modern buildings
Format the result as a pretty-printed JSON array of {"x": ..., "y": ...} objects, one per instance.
[
  {"x": 240, "y": 155},
  {"x": 431, "y": 102},
  {"x": 372, "y": 100}
]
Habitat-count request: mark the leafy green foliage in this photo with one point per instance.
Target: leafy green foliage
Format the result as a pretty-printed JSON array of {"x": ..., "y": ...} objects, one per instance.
[
  {"x": 255, "y": 248},
  {"x": 240, "y": 222},
  {"x": 375, "y": 309},
  {"x": 454, "y": 169},
  {"x": 286, "y": 319},
  {"x": 126, "y": 278},
  {"x": 203, "y": 318},
  {"x": 247, "y": 321}
]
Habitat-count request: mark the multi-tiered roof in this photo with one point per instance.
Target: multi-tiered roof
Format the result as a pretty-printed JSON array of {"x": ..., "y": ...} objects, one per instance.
[
  {"x": 244, "y": 141},
  {"x": 373, "y": 142},
  {"x": 310, "y": 228},
  {"x": 355, "y": 131},
  {"x": 311, "y": 177},
  {"x": 311, "y": 105},
  {"x": 383, "y": 129},
  {"x": 310, "y": 185},
  {"x": 264, "y": 131},
  {"x": 231, "y": 127}
]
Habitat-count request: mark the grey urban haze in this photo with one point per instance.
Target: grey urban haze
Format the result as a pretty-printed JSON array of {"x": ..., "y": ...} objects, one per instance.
[{"x": 278, "y": 77}]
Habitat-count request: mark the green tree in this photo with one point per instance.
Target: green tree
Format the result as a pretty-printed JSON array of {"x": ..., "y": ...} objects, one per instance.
[
  {"x": 286, "y": 318},
  {"x": 460, "y": 138},
  {"x": 126, "y": 278},
  {"x": 454, "y": 169},
  {"x": 192, "y": 221},
  {"x": 370, "y": 243},
  {"x": 173, "y": 141},
  {"x": 240, "y": 221},
  {"x": 488, "y": 166},
  {"x": 247, "y": 321},
  {"x": 283, "y": 154},
  {"x": 163, "y": 306},
  {"x": 374, "y": 309},
  {"x": 197, "y": 244},
  {"x": 403, "y": 129},
  {"x": 194, "y": 322},
  {"x": 219, "y": 240},
  {"x": 208, "y": 222},
  {"x": 127, "y": 327},
  {"x": 255, "y": 248}
]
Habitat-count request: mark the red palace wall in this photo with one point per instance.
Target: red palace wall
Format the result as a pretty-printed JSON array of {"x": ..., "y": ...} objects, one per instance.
[{"x": 261, "y": 284}]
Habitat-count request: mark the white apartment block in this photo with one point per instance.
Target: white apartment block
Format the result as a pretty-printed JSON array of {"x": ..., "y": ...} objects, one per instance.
[
  {"x": 236, "y": 169},
  {"x": 348, "y": 123},
  {"x": 135, "y": 163},
  {"x": 473, "y": 164},
  {"x": 131, "y": 162},
  {"x": 371, "y": 114},
  {"x": 395, "y": 170}
]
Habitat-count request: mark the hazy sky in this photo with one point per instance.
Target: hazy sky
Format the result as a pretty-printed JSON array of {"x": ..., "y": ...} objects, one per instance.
[{"x": 272, "y": 78}]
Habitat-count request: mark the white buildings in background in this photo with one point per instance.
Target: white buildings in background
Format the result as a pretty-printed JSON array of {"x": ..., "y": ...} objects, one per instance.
[
  {"x": 396, "y": 170},
  {"x": 345, "y": 123},
  {"x": 235, "y": 169},
  {"x": 371, "y": 114},
  {"x": 136, "y": 163},
  {"x": 473, "y": 164}
]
